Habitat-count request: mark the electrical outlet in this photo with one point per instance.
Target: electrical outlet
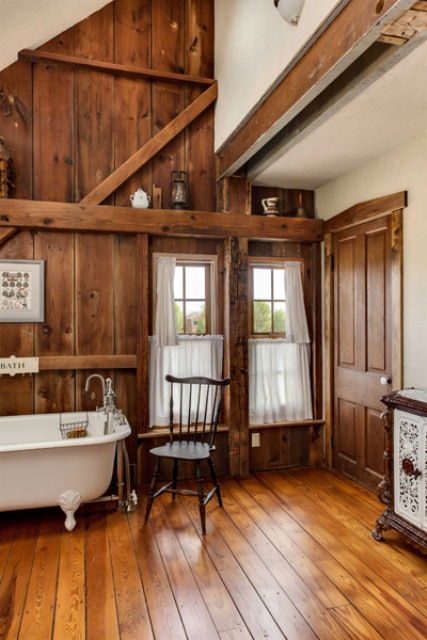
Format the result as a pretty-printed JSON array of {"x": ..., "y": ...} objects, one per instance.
[{"x": 255, "y": 440}]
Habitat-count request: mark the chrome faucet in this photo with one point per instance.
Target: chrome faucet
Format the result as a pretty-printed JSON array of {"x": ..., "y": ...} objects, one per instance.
[
  {"x": 96, "y": 375},
  {"x": 108, "y": 401}
]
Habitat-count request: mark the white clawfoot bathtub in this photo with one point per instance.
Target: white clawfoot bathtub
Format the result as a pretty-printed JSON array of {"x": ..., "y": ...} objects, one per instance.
[{"x": 40, "y": 468}]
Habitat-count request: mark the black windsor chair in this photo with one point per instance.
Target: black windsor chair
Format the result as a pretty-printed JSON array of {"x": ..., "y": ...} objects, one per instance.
[{"x": 199, "y": 400}]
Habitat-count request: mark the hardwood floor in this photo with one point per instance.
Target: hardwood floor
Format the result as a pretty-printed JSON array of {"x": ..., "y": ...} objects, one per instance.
[{"x": 290, "y": 556}]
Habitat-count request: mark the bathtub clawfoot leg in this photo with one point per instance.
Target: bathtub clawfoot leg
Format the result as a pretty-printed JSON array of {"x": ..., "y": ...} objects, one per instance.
[{"x": 69, "y": 502}]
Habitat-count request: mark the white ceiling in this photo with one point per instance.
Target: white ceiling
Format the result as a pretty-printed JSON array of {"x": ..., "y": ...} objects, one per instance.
[{"x": 386, "y": 114}]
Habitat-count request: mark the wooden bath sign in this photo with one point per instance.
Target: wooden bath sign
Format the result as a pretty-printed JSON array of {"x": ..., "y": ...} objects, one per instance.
[{"x": 13, "y": 365}]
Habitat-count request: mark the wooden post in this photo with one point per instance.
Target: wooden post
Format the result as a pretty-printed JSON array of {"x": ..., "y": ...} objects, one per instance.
[
  {"x": 142, "y": 332},
  {"x": 236, "y": 353}
]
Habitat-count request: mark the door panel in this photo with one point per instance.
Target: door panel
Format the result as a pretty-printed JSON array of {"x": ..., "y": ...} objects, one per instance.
[{"x": 362, "y": 347}]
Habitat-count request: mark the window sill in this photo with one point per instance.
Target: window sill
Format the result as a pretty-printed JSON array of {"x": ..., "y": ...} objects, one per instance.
[
  {"x": 280, "y": 425},
  {"x": 159, "y": 432}
]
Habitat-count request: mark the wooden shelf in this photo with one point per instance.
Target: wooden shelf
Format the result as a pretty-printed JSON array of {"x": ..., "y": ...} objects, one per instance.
[{"x": 65, "y": 216}]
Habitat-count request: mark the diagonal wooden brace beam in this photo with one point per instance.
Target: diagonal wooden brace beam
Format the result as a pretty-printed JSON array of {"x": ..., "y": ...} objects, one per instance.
[
  {"x": 153, "y": 146},
  {"x": 6, "y": 233}
]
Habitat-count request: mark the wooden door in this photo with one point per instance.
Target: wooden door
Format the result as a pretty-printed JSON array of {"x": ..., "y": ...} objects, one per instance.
[{"x": 362, "y": 347}]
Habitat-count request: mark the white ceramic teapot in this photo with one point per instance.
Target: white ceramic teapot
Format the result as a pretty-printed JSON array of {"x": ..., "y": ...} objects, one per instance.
[{"x": 140, "y": 200}]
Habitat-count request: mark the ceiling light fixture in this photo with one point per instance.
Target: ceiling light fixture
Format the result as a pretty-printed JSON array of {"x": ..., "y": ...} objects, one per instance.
[{"x": 290, "y": 10}]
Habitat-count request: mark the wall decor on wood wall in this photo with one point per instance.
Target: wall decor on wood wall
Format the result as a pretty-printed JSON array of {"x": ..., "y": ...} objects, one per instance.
[
  {"x": 7, "y": 174},
  {"x": 22, "y": 290}
]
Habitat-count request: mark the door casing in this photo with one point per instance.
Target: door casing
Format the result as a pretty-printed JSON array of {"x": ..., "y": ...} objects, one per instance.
[{"x": 393, "y": 206}]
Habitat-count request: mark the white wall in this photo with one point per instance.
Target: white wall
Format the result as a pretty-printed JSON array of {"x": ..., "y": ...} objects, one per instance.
[
  {"x": 402, "y": 169},
  {"x": 253, "y": 45},
  {"x": 27, "y": 24}
]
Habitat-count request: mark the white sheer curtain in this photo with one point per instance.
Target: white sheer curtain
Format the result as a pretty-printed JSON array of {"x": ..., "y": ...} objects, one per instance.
[
  {"x": 166, "y": 327},
  {"x": 176, "y": 355},
  {"x": 194, "y": 356},
  {"x": 279, "y": 370}
]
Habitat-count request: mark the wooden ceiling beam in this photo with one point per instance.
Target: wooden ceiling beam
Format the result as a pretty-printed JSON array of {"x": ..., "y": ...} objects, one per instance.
[
  {"x": 153, "y": 146},
  {"x": 56, "y": 216},
  {"x": 357, "y": 24},
  {"x": 44, "y": 57}
]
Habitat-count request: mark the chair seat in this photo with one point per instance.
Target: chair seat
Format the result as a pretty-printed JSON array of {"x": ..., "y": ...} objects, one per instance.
[{"x": 183, "y": 451}]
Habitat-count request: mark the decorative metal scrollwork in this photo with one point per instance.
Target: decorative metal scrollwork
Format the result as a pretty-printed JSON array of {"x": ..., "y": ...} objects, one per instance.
[{"x": 409, "y": 469}]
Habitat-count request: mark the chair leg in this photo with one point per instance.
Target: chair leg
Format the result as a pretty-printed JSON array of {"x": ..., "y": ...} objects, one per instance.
[
  {"x": 201, "y": 495},
  {"x": 152, "y": 490},
  {"x": 215, "y": 480},
  {"x": 175, "y": 477}
]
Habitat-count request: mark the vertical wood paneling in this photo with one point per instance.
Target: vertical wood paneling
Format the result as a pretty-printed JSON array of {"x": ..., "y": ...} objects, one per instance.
[
  {"x": 199, "y": 57},
  {"x": 167, "y": 54},
  {"x": 16, "y": 394},
  {"x": 94, "y": 102},
  {"x": 94, "y": 307},
  {"x": 94, "y": 291},
  {"x": 55, "y": 336},
  {"x": 16, "y": 123},
  {"x": 125, "y": 324},
  {"x": 132, "y": 97},
  {"x": 53, "y": 140}
]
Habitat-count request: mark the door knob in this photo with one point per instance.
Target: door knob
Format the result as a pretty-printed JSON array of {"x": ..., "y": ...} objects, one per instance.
[{"x": 385, "y": 380}]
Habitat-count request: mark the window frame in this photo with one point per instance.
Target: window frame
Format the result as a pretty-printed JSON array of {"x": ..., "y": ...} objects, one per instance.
[
  {"x": 210, "y": 262},
  {"x": 267, "y": 263}
]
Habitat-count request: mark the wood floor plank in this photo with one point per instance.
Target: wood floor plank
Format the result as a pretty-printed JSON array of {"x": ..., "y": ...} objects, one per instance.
[
  {"x": 251, "y": 606},
  {"x": 355, "y": 624},
  {"x": 300, "y": 563},
  {"x": 16, "y": 576},
  {"x": 69, "y": 623},
  {"x": 7, "y": 536},
  {"x": 222, "y": 609},
  {"x": 290, "y": 555},
  {"x": 134, "y": 622},
  {"x": 346, "y": 547},
  {"x": 101, "y": 614},
  {"x": 164, "y": 615},
  {"x": 305, "y": 600},
  {"x": 37, "y": 621},
  {"x": 355, "y": 591},
  {"x": 192, "y": 608},
  {"x": 286, "y": 616},
  {"x": 397, "y": 568}
]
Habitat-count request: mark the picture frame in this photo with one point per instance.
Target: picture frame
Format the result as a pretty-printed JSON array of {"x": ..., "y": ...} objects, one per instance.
[{"x": 22, "y": 290}]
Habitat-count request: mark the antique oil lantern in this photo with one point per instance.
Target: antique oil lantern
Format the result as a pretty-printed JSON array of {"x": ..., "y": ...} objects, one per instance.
[{"x": 179, "y": 193}]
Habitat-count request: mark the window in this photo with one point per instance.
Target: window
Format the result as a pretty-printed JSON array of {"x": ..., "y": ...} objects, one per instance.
[
  {"x": 268, "y": 300},
  {"x": 197, "y": 351},
  {"x": 192, "y": 298},
  {"x": 195, "y": 294},
  {"x": 279, "y": 349}
]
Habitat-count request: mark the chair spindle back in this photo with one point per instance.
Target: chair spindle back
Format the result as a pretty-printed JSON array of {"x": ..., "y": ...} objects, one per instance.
[{"x": 200, "y": 402}]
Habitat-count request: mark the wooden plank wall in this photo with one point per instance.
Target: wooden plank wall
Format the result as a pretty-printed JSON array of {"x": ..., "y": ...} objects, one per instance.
[{"x": 70, "y": 128}]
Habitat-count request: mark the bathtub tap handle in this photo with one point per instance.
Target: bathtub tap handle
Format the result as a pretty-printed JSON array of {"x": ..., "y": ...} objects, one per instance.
[{"x": 109, "y": 395}]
